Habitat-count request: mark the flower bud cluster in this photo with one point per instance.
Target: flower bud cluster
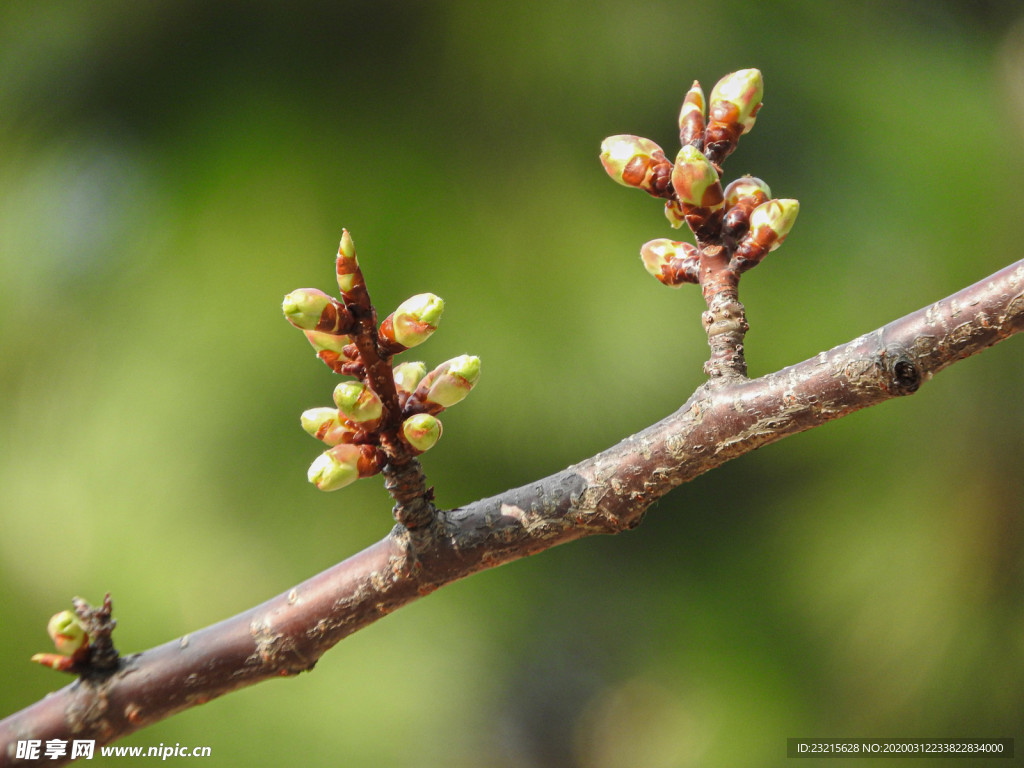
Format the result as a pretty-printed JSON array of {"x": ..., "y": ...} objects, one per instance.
[
  {"x": 389, "y": 411},
  {"x": 742, "y": 219}
]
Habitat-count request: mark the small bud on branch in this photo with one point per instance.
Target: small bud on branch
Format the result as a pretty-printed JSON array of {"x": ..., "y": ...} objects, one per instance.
[
  {"x": 326, "y": 424},
  {"x": 734, "y": 227},
  {"x": 735, "y": 101},
  {"x": 449, "y": 383},
  {"x": 421, "y": 431},
  {"x": 311, "y": 310},
  {"x": 414, "y": 321},
  {"x": 379, "y": 423},
  {"x": 344, "y": 464},
  {"x": 672, "y": 262},
  {"x": 637, "y": 162},
  {"x": 358, "y": 403}
]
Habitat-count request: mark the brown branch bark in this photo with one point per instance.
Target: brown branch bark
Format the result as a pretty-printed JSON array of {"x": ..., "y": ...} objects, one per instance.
[{"x": 604, "y": 494}]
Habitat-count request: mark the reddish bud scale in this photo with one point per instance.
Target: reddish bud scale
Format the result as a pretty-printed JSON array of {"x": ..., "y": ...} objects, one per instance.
[
  {"x": 754, "y": 247},
  {"x": 332, "y": 360},
  {"x": 652, "y": 175},
  {"x": 54, "y": 661},
  {"x": 737, "y": 221},
  {"x": 681, "y": 270},
  {"x": 705, "y": 223},
  {"x": 353, "y": 368},
  {"x": 335, "y": 319},
  {"x": 387, "y": 335},
  {"x": 371, "y": 461},
  {"x": 737, "y": 218},
  {"x": 720, "y": 140}
]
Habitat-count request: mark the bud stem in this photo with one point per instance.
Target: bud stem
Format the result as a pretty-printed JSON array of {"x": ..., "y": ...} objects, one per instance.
[{"x": 725, "y": 320}]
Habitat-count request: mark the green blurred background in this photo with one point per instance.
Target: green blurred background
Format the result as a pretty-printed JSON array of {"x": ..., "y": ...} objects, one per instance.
[{"x": 169, "y": 170}]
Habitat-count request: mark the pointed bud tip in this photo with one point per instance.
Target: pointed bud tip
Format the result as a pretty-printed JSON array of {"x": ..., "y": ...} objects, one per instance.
[
  {"x": 691, "y": 114},
  {"x": 467, "y": 367},
  {"x": 346, "y": 248},
  {"x": 346, "y": 264}
]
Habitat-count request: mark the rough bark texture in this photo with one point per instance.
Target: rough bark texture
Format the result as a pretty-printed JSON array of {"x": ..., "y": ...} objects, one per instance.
[{"x": 604, "y": 494}]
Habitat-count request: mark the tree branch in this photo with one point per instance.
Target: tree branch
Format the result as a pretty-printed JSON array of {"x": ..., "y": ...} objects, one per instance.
[{"x": 606, "y": 493}]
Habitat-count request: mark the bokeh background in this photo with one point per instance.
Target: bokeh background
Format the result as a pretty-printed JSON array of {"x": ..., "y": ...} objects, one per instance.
[{"x": 170, "y": 169}]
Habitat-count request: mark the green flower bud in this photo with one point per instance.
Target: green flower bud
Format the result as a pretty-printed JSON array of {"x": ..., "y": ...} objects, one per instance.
[
  {"x": 346, "y": 265},
  {"x": 736, "y": 98},
  {"x": 414, "y": 321},
  {"x": 325, "y": 424},
  {"x": 67, "y": 633},
  {"x": 696, "y": 181},
  {"x": 408, "y": 376},
  {"x": 335, "y": 468},
  {"x": 313, "y": 310},
  {"x": 357, "y": 402},
  {"x": 451, "y": 381},
  {"x": 735, "y": 101},
  {"x": 777, "y": 218},
  {"x": 421, "y": 431},
  {"x": 672, "y": 262},
  {"x": 691, "y": 116},
  {"x": 344, "y": 464},
  {"x": 636, "y": 162}
]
